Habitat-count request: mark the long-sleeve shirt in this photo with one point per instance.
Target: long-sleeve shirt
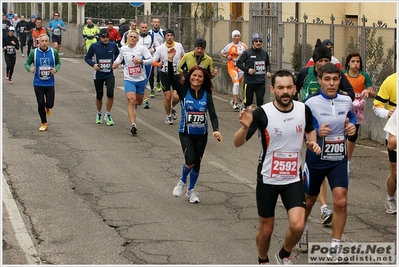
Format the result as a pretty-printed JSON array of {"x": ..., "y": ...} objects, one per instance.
[
  {"x": 8, "y": 47},
  {"x": 134, "y": 72},
  {"x": 194, "y": 111},
  {"x": 257, "y": 60},
  {"x": 104, "y": 55}
]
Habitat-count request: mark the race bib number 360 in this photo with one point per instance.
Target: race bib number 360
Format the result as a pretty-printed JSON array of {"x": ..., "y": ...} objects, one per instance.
[
  {"x": 284, "y": 165},
  {"x": 105, "y": 65},
  {"x": 333, "y": 148}
]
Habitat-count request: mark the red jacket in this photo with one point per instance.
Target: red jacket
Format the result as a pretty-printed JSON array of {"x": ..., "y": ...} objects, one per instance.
[{"x": 114, "y": 35}]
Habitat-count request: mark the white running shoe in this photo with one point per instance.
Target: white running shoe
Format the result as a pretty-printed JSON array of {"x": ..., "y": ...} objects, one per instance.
[
  {"x": 285, "y": 261},
  {"x": 192, "y": 195},
  {"x": 302, "y": 245},
  {"x": 169, "y": 120},
  {"x": 174, "y": 114},
  {"x": 326, "y": 215},
  {"x": 390, "y": 206},
  {"x": 178, "y": 190}
]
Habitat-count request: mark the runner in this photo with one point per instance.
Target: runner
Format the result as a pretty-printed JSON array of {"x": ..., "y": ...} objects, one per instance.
[
  {"x": 151, "y": 44},
  {"x": 135, "y": 78},
  {"x": 21, "y": 28},
  {"x": 197, "y": 57},
  {"x": 159, "y": 35},
  {"x": 104, "y": 53},
  {"x": 255, "y": 64},
  {"x": 281, "y": 126},
  {"x": 333, "y": 118},
  {"x": 232, "y": 52},
  {"x": 161, "y": 60},
  {"x": 56, "y": 26},
  {"x": 196, "y": 101},
  {"x": 10, "y": 45},
  {"x": 384, "y": 106},
  {"x": 46, "y": 63}
]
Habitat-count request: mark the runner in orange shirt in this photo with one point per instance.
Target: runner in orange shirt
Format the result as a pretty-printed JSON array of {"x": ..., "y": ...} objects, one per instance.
[{"x": 232, "y": 52}]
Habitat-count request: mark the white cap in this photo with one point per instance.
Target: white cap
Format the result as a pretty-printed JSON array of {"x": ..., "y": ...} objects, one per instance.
[
  {"x": 11, "y": 28},
  {"x": 235, "y": 32},
  {"x": 16, "y": 15}
]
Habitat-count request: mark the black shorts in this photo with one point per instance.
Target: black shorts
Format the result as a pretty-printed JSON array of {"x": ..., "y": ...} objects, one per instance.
[
  {"x": 391, "y": 153},
  {"x": 56, "y": 39},
  {"x": 166, "y": 84},
  {"x": 292, "y": 196},
  {"x": 337, "y": 176}
]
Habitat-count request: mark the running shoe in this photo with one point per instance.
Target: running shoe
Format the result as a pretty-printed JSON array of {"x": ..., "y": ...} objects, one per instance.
[
  {"x": 169, "y": 120},
  {"x": 178, "y": 190},
  {"x": 284, "y": 261},
  {"x": 109, "y": 119},
  {"x": 133, "y": 129},
  {"x": 48, "y": 111},
  {"x": 302, "y": 245},
  {"x": 326, "y": 216},
  {"x": 231, "y": 102},
  {"x": 192, "y": 195},
  {"x": 235, "y": 106},
  {"x": 159, "y": 87},
  {"x": 174, "y": 114},
  {"x": 390, "y": 206},
  {"x": 22, "y": 55},
  {"x": 152, "y": 93},
  {"x": 243, "y": 107},
  {"x": 99, "y": 118},
  {"x": 146, "y": 104},
  {"x": 43, "y": 127},
  {"x": 10, "y": 80}
]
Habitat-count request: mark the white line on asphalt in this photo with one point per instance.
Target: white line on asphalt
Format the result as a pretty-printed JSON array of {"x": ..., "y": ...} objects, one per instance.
[
  {"x": 232, "y": 174},
  {"x": 21, "y": 233}
]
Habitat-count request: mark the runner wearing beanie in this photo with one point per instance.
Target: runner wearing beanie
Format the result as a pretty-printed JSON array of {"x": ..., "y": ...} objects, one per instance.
[{"x": 197, "y": 57}]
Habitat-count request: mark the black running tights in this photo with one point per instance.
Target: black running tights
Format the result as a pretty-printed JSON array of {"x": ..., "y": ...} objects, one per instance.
[{"x": 45, "y": 99}]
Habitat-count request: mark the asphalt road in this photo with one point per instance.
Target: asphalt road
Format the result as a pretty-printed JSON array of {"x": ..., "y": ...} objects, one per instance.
[{"x": 95, "y": 194}]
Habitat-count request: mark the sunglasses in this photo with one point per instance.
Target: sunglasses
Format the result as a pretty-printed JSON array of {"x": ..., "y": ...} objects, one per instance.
[
  {"x": 258, "y": 41},
  {"x": 104, "y": 35}
]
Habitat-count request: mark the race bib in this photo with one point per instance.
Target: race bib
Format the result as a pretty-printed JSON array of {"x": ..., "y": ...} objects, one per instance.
[
  {"x": 333, "y": 148},
  {"x": 260, "y": 67},
  {"x": 10, "y": 49},
  {"x": 134, "y": 71},
  {"x": 195, "y": 118},
  {"x": 105, "y": 65},
  {"x": 45, "y": 72},
  {"x": 284, "y": 165},
  {"x": 57, "y": 31}
]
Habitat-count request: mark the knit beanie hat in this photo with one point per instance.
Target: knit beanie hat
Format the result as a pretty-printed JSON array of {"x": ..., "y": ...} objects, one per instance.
[
  {"x": 200, "y": 42},
  {"x": 170, "y": 31},
  {"x": 321, "y": 51},
  {"x": 235, "y": 32},
  {"x": 255, "y": 36}
]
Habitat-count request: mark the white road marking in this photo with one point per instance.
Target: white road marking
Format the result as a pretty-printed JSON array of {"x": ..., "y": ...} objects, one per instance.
[{"x": 18, "y": 225}]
